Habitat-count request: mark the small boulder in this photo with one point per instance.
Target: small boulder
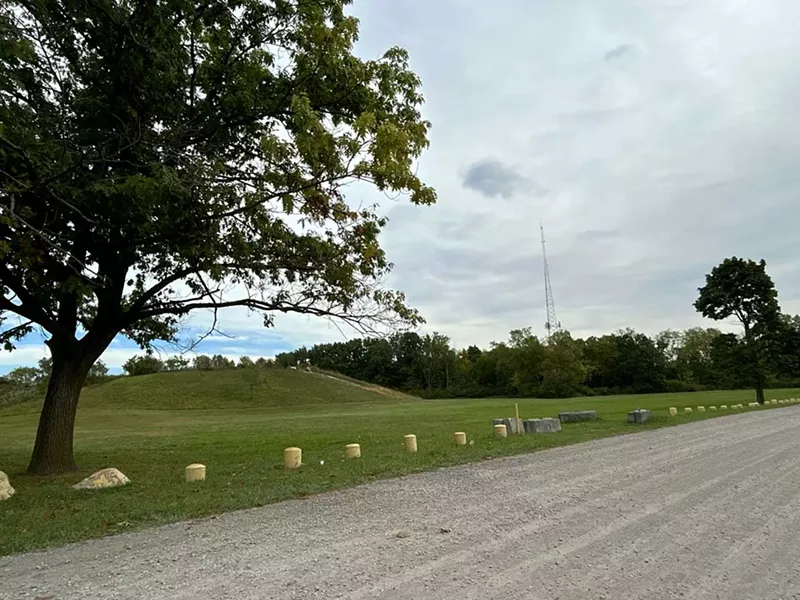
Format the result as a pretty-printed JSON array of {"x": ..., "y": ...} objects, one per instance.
[
  {"x": 6, "y": 491},
  {"x": 105, "y": 478}
]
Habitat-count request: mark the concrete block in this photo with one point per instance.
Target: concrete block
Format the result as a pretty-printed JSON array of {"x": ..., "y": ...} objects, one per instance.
[
  {"x": 292, "y": 458},
  {"x": 688, "y": 410},
  {"x": 701, "y": 409},
  {"x": 410, "y": 442},
  {"x": 640, "y": 415},
  {"x": 500, "y": 430},
  {"x": 773, "y": 401},
  {"x": 712, "y": 409},
  {"x": 352, "y": 451},
  {"x": 577, "y": 416},
  {"x": 673, "y": 411},
  {"x": 724, "y": 407},
  {"x": 509, "y": 422},
  {"x": 546, "y": 425},
  {"x": 460, "y": 438},
  {"x": 195, "y": 472},
  {"x": 752, "y": 404}
]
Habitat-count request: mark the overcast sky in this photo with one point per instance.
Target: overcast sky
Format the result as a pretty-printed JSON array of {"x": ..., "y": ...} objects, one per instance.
[{"x": 653, "y": 138}]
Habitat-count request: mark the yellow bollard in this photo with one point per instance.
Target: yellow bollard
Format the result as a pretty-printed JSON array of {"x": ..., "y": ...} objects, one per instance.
[
  {"x": 195, "y": 472},
  {"x": 460, "y": 438},
  {"x": 411, "y": 442},
  {"x": 673, "y": 411},
  {"x": 701, "y": 409},
  {"x": 500, "y": 430},
  {"x": 292, "y": 458},
  {"x": 352, "y": 451},
  {"x": 688, "y": 410}
]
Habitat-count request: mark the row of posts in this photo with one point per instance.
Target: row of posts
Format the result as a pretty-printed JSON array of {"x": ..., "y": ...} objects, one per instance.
[{"x": 293, "y": 457}]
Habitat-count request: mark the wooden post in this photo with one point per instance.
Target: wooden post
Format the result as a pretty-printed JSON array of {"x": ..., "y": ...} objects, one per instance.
[{"x": 516, "y": 412}]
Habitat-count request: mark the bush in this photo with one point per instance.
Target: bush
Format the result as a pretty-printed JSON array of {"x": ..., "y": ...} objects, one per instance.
[{"x": 143, "y": 365}]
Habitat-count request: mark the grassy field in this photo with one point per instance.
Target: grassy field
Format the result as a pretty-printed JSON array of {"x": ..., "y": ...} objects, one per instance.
[{"x": 151, "y": 427}]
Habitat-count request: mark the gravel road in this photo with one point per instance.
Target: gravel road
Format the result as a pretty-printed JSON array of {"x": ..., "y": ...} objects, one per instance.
[{"x": 706, "y": 510}]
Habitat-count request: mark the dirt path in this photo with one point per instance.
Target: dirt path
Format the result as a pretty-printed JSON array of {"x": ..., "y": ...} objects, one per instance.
[{"x": 707, "y": 510}]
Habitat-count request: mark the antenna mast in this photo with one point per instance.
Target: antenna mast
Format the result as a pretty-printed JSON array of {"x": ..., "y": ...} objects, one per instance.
[{"x": 552, "y": 325}]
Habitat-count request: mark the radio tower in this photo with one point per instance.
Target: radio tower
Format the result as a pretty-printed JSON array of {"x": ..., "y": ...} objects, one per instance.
[{"x": 552, "y": 325}]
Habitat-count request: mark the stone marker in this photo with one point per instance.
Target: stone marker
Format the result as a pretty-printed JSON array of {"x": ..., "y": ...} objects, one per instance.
[
  {"x": 640, "y": 415},
  {"x": 688, "y": 410},
  {"x": 752, "y": 405},
  {"x": 774, "y": 401},
  {"x": 460, "y": 438},
  {"x": 712, "y": 408},
  {"x": 673, "y": 411},
  {"x": 701, "y": 409},
  {"x": 724, "y": 407},
  {"x": 6, "y": 491},
  {"x": 195, "y": 472},
  {"x": 410, "y": 441},
  {"x": 292, "y": 458},
  {"x": 352, "y": 451},
  {"x": 509, "y": 422},
  {"x": 577, "y": 416},
  {"x": 500, "y": 430},
  {"x": 546, "y": 425},
  {"x": 105, "y": 478}
]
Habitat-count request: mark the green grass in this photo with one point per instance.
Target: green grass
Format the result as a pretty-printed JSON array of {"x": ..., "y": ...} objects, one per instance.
[{"x": 151, "y": 427}]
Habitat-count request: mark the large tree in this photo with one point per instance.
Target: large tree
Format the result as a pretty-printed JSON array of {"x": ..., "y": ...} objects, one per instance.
[
  {"x": 166, "y": 156},
  {"x": 743, "y": 289}
]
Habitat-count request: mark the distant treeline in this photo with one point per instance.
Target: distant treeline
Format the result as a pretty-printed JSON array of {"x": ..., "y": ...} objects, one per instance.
[
  {"x": 427, "y": 365},
  {"x": 623, "y": 362}
]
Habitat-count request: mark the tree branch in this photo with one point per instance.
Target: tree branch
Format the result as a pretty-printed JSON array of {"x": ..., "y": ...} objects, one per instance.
[{"x": 28, "y": 307}]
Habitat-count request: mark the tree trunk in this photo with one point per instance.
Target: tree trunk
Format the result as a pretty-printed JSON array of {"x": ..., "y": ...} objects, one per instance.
[
  {"x": 760, "y": 388},
  {"x": 52, "y": 451}
]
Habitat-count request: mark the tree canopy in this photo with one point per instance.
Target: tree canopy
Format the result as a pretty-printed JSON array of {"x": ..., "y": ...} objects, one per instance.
[
  {"x": 162, "y": 157},
  {"x": 742, "y": 288}
]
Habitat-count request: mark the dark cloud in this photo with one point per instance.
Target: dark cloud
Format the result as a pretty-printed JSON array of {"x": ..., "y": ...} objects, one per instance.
[
  {"x": 618, "y": 52},
  {"x": 492, "y": 178}
]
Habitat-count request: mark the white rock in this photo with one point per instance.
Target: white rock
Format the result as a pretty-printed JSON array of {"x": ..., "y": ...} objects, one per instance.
[
  {"x": 6, "y": 491},
  {"x": 105, "y": 478}
]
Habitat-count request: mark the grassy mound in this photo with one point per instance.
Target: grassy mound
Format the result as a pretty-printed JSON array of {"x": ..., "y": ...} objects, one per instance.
[{"x": 224, "y": 389}]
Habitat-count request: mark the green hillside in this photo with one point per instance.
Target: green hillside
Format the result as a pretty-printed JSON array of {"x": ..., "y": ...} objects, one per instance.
[{"x": 226, "y": 388}]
